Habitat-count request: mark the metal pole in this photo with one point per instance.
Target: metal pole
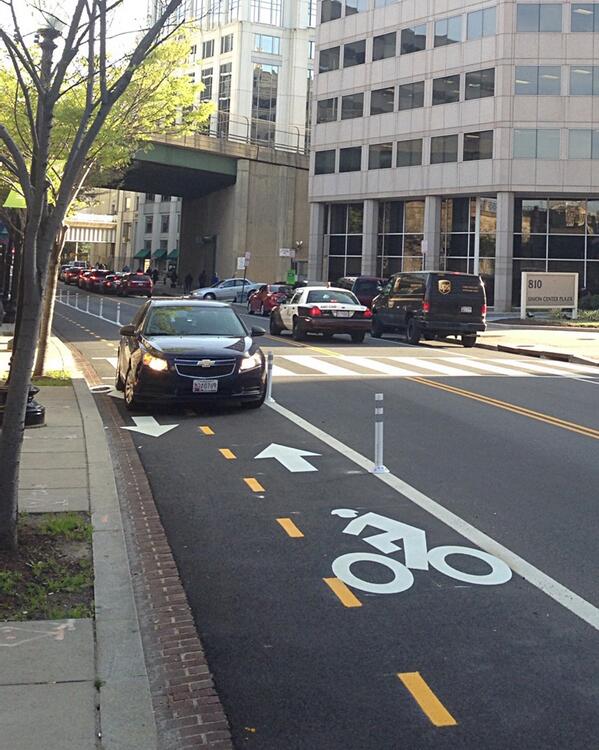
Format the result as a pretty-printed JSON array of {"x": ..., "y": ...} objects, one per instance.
[
  {"x": 101, "y": 315},
  {"x": 379, "y": 467},
  {"x": 87, "y": 304},
  {"x": 77, "y": 300},
  {"x": 269, "y": 364},
  {"x": 118, "y": 313},
  {"x": 68, "y": 302}
]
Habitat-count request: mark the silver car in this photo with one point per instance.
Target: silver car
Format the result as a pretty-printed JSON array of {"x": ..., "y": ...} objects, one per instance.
[{"x": 229, "y": 289}]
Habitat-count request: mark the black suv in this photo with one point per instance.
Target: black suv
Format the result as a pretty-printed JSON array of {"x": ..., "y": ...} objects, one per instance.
[{"x": 431, "y": 304}]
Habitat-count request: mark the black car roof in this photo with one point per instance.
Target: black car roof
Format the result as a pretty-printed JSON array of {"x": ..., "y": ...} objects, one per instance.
[{"x": 186, "y": 302}]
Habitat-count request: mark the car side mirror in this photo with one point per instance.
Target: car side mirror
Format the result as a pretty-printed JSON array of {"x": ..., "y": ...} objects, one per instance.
[
  {"x": 257, "y": 331},
  {"x": 127, "y": 330}
]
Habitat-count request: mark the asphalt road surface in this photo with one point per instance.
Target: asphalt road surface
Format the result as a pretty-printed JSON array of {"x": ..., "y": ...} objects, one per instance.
[{"x": 448, "y": 603}]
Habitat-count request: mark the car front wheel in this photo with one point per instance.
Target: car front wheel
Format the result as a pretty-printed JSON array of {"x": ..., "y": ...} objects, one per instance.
[
  {"x": 209, "y": 296},
  {"x": 358, "y": 338},
  {"x": 468, "y": 340},
  {"x": 275, "y": 328},
  {"x": 249, "y": 308},
  {"x": 131, "y": 401},
  {"x": 412, "y": 332}
]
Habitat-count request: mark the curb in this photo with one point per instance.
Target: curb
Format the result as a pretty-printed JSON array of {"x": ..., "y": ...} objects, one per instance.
[{"x": 540, "y": 354}]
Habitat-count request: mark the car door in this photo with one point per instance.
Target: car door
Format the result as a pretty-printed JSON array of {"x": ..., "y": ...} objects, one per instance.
[
  {"x": 383, "y": 303},
  {"x": 225, "y": 290},
  {"x": 128, "y": 345},
  {"x": 289, "y": 309}
]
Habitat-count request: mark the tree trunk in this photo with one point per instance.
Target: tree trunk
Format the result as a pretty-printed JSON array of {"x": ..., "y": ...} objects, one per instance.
[{"x": 49, "y": 300}]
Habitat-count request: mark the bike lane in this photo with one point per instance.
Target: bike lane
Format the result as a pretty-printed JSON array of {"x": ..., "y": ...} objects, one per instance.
[{"x": 300, "y": 666}]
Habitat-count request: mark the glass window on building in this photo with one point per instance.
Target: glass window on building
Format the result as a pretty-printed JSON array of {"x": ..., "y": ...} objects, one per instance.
[
  {"x": 149, "y": 224},
  {"x": 478, "y": 146},
  {"x": 312, "y": 14},
  {"x": 538, "y": 80},
  {"x": 264, "y": 102},
  {"x": 326, "y": 110},
  {"x": 411, "y": 96},
  {"x": 383, "y": 3},
  {"x": 309, "y": 87},
  {"x": 352, "y": 106},
  {"x": 208, "y": 48},
  {"x": 355, "y": 6},
  {"x": 413, "y": 39},
  {"x": 226, "y": 44},
  {"x": 324, "y": 162},
  {"x": 150, "y": 197},
  {"x": 585, "y": 17},
  {"x": 383, "y": 46},
  {"x": 409, "y": 153},
  {"x": 343, "y": 237},
  {"x": 584, "y": 80},
  {"x": 448, "y": 31},
  {"x": 480, "y": 83},
  {"x": 266, "y": 11},
  {"x": 382, "y": 100},
  {"x": 350, "y": 159},
  {"x": 271, "y": 45},
  {"x": 536, "y": 144},
  {"x": 224, "y": 98},
  {"x": 583, "y": 144},
  {"x": 444, "y": 148},
  {"x": 481, "y": 23},
  {"x": 310, "y": 50},
  {"x": 539, "y": 17},
  {"x": 399, "y": 245},
  {"x": 354, "y": 53},
  {"x": 380, "y": 156},
  {"x": 328, "y": 59},
  {"x": 164, "y": 223},
  {"x": 446, "y": 89},
  {"x": 207, "y": 75},
  {"x": 330, "y": 10}
]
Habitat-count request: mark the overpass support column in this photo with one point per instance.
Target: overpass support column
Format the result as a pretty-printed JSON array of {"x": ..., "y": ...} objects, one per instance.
[
  {"x": 504, "y": 252},
  {"x": 316, "y": 246},
  {"x": 369, "y": 240}
]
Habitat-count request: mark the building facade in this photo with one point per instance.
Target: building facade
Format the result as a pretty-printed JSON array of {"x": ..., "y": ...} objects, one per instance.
[{"x": 460, "y": 135}]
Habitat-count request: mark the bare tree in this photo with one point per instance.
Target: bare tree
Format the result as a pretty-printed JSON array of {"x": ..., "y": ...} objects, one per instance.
[{"x": 42, "y": 82}]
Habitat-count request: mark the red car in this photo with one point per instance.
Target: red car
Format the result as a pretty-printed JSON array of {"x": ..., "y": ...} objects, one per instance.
[
  {"x": 111, "y": 283},
  {"x": 95, "y": 278},
  {"x": 268, "y": 296},
  {"x": 135, "y": 283},
  {"x": 82, "y": 279},
  {"x": 71, "y": 275}
]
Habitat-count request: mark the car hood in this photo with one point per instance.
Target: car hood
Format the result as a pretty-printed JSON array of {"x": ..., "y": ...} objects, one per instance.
[{"x": 201, "y": 346}]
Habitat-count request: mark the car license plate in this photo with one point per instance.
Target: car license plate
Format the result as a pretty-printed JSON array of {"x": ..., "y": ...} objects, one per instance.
[
  {"x": 205, "y": 386},
  {"x": 342, "y": 313},
  {"x": 466, "y": 309}
]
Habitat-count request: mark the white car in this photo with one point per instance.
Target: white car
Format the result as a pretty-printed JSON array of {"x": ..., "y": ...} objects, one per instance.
[
  {"x": 229, "y": 289},
  {"x": 322, "y": 309}
]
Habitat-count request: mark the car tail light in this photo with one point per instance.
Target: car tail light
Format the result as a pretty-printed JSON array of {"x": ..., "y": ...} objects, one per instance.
[
  {"x": 367, "y": 313},
  {"x": 315, "y": 312},
  {"x": 483, "y": 310},
  {"x": 426, "y": 306}
]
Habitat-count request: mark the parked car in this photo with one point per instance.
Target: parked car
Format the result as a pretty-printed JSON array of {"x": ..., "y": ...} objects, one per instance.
[
  {"x": 365, "y": 288},
  {"x": 324, "y": 310},
  {"x": 82, "y": 279},
  {"x": 93, "y": 282},
  {"x": 135, "y": 283},
  {"x": 111, "y": 283},
  {"x": 433, "y": 304},
  {"x": 62, "y": 271},
  {"x": 246, "y": 291},
  {"x": 190, "y": 351},
  {"x": 229, "y": 289},
  {"x": 266, "y": 297},
  {"x": 71, "y": 275}
]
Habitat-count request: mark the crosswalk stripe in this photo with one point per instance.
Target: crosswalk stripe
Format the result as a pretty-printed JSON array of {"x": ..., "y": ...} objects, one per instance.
[
  {"x": 379, "y": 366},
  {"x": 486, "y": 367},
  {"x": 435, "y": 367},
  {"x": 320, "y": 365},
  {"x": 535, "y": 367},
  {"x": 573, "y": 367},
  {"x": 281, "y": 372}
]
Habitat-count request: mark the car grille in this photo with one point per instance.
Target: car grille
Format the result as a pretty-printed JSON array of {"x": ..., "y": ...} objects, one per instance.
[{"x": 190, "y": 368}]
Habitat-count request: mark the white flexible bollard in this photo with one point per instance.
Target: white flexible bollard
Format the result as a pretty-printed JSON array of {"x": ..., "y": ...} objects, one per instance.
[
  {"x": 379, "y": 466},
  {"x": 269, "y": 366}
]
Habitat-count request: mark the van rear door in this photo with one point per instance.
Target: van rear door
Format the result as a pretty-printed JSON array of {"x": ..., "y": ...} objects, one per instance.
[{"x": 456, "y": 297}]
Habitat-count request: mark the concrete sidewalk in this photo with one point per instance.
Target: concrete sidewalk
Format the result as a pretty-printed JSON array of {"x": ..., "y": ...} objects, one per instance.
[{"x": 78, "y": 684}]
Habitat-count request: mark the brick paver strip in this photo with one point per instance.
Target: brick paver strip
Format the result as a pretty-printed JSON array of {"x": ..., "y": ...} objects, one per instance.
[{"x": 188, "y": 711}]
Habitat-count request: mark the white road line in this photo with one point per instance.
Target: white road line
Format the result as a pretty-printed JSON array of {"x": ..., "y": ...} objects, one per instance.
[
  {"x": 535, "y": 367},
  {"x": 435, "y": 367},
  {"x": 557, "y": 591},
  {"x": 378, "y": 366},
  {"x": 320, "y": 365},
  {"x": 111, "y": 360},
  {"x": 281, "y": 372},
  {"x": 486, "y": 367},
  {"x": 574, "y": 368}
]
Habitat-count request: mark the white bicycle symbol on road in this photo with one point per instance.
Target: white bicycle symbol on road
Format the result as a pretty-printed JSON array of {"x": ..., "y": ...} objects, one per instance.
[{"x": 416, "y": 554}]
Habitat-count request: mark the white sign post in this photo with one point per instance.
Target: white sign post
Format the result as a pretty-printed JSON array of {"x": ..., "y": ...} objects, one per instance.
[{"x": 553, "y": 291}]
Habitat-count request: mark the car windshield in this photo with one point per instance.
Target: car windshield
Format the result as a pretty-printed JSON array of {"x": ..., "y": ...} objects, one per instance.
[
  {"x": 199, "y": 320},
  {"x": 279, "y": 289},
  {"x": 331, "y": 295},
  {"x": 367, "y": 286}
]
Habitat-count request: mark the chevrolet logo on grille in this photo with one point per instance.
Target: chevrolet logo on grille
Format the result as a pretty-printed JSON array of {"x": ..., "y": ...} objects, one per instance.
[{"x": 206, "y": 363}]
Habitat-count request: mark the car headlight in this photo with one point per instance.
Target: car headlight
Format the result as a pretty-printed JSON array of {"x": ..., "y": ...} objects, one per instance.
[
  {"x": 155, "y": 363},
  {"x": 249, "y": 363}
]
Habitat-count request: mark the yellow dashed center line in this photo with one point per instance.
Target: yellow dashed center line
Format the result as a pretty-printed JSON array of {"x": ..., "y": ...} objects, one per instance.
[
  {"x": 253, "y": 484},
  {"x": 227, "y": 453},
  {"x": 206, "y": 430},
  {"x": 290, "y": 528},
  {"x": 342, "y": 592},
  {"x": 426, "y": 699}
]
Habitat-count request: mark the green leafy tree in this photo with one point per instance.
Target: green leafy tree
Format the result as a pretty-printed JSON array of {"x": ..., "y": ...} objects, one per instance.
[{"x": 68, "y": 94}]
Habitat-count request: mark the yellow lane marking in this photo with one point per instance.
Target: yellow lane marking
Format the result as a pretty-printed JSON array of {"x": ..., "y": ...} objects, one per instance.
[
  {"x": 206, "y": 430},
  {"x": 522, "y": 411},
  {"x": 290, "y": 528},
  {"x": 342, "y": 592},
  {"x": 227, "y": 453},
  {"x": 426, "y": 699},
  {"x": 254, "y": 484}
]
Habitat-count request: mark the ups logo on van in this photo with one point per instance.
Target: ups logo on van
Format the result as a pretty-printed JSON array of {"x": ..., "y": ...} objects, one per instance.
[{"x": 444, "y": 286}]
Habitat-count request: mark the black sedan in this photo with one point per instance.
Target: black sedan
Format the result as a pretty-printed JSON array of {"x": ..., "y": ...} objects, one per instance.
[{"x": 190, "y": 351}]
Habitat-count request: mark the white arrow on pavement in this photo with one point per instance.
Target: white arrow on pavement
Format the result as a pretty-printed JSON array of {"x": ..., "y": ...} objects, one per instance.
[
  {"x": 149, "y": 426},
  {"x": 290, "y": 458}
]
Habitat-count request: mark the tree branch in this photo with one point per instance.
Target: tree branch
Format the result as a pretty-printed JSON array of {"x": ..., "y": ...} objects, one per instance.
[{"x": 19, "y": 163}]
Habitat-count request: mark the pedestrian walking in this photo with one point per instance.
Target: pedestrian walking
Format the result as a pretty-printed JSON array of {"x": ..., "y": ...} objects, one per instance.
[
  {"x": 155, "y": 275},
  {"x": 188, "y": 283},
  {"x": 202, "y": 279},
  {"x": 173, "y": 278},
  {"x": 215, "y": 279}
]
